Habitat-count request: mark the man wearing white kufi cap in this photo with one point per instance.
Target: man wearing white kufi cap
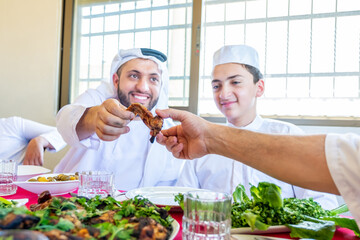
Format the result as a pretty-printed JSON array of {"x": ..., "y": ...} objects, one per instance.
[
  {"x": 104, "y": 136},
  {"x": 237, "y": 83}
]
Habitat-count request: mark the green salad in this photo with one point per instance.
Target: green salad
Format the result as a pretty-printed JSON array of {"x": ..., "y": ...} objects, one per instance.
[
  {"x": 4, "y": 203},
  {"x": 305, "y": 217}
]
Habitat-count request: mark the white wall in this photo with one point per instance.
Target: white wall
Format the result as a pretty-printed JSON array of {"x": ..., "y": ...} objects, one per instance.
[
  {"x": 30, "y": 35},
  {"x": 29, "y": 58}
]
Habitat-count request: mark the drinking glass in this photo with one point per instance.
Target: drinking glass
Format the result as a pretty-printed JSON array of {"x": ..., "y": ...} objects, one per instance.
[
  {"x": 8, "y": 172},
  {"x": 93, "y": 183},
  {"x": 207, "y": 215}
]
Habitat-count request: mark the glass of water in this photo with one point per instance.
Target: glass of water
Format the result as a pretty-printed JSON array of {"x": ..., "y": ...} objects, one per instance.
[
  {"x": 8, "y": 173},
  {"x": 93, "y": 183},
  {"x": 207, "y": 215}
]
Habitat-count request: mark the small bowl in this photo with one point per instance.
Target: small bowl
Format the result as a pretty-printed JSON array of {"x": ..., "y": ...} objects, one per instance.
[
  {"x": 55, "y": 188},
  {"x": 25, "y": 172}
]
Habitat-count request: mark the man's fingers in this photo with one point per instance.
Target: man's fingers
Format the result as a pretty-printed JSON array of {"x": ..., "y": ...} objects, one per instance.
[
  {"x": 161, "y": 139},
  {"x": 106, "y": 136},
  {"x": 113, "y": 120},
  {"x": 170, "y": 143},
  {"x": 177, "y": 149},
  {"x": 173, "y": 114},
  {"x": 114, "y": 107},
  {"x": 111, "y": 130},
  {"x": 170, "y": 132},
  {"x": 37, "y": 162}
]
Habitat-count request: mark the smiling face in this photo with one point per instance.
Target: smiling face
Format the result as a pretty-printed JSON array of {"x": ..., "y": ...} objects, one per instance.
[
  {"x": 138, "y": 81},
  {"x": 235, "y": 93}
]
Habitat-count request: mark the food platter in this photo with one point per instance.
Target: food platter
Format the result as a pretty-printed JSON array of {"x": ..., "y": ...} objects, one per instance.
[
  {"x": 25, "y": 172},
  {"x": 161, "y": 196},
  {"x": 271, "y": 229},
  {"x": 55, "y": 188},
  {"x": 95, "y": 213}
]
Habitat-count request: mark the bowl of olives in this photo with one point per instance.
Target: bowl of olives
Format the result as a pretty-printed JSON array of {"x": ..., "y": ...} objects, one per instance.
[{"x": 56, "y": 184}]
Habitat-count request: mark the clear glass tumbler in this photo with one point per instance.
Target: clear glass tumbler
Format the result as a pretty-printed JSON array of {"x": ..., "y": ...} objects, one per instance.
[
  {"x": 207, "y": 215},
  {"x": 8, "y": 173},
  {"x": 93, "y": 183}
]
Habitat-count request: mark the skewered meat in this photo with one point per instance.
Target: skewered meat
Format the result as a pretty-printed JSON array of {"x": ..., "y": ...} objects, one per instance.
[{"x": 154, "y": 123}]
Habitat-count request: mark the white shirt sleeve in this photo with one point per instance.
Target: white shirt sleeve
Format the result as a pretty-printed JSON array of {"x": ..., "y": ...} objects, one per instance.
[
  {"x": 55, "y": 140},
  {"x": 69, "y": 116},
  {"x": 188, "y": 177},
  {"x": 31, "y": 129},
  {"x": 343, "y": 159},
  {"x": 326, "y": 200}
]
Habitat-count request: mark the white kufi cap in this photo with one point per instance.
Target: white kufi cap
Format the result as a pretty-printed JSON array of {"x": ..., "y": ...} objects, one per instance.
[{"x": 242, "y": 54}]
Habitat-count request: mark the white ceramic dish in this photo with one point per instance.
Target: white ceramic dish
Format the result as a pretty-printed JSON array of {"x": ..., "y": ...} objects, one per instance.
[
  {"x": 253, "y": 237},
  {"x": 55, "y": 188},
  {"x": 20, "y": 202},
  {"x": 272, "y": 229},
  {"x": 25, "y": 172},
  {"x": 176, "y": 228},
  {"x": 162, "y": 196}
]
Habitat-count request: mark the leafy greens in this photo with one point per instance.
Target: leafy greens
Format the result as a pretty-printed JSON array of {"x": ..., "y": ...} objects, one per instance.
[{"x": 305, "y": 217}]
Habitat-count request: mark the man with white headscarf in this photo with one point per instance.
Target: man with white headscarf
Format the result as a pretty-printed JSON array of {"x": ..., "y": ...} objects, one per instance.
[
  {"x": 104, "y": 136},
  {"x": 237, "y": 83}
]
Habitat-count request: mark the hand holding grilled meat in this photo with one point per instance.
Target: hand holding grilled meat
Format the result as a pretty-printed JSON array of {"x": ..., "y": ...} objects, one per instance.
[
  {"x": 154, "y": 123},
  {"x": 108, "y": 120}
]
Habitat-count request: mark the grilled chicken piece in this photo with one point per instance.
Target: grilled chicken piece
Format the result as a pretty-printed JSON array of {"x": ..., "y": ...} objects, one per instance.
[
  {"x": 148, "y": 229},
  {"x": 21, "y": 221},
  {"x": 57, "y": 234},
  {"x": 154, "y": 123},
  {"x": 106, "y": 217},
  {"x": 44, "y": 196}
]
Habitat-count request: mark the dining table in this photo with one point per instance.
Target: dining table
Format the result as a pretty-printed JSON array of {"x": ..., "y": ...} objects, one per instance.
[{"x": 340, "y": 233}]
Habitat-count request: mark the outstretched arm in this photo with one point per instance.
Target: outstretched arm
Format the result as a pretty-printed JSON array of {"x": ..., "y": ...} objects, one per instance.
[{"x": 299, "y": 160}]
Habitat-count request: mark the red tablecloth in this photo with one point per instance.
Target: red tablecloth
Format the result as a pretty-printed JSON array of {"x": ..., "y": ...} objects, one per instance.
[{"x": 341, "y": 233}]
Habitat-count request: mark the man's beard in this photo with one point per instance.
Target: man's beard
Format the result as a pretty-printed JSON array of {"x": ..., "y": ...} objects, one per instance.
[{"x": 125, "y": 99}]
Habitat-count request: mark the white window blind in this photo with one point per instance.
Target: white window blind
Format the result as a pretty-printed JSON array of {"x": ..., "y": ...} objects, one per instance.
[
  {"x": 100, "y": 28},
  {"x": 309, "y": 51}
]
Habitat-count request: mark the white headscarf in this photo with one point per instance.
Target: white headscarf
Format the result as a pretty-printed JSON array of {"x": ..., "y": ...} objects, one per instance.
[
  {"x": 125, "y": 55},
  {"x": 242, "y": 54}
]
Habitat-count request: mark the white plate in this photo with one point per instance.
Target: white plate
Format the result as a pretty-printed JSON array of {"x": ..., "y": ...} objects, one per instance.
[
  {"x": 25, "y": 172},
  {"x": 55, "y": 188},
  {"x": 20, "y": 202},
  {"x": 253, "y": 237},
  {"x": 176, "y": 228},
  {"x": 271, "y": 229},
  {"x": 163, "y": 196}
]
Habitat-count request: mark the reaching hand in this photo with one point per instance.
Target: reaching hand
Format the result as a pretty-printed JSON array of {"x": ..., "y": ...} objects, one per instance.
[
  {"x": 108, "y": 120},
  {"x": 34, "y": 154},
  {"x": 188, "y": 140}
]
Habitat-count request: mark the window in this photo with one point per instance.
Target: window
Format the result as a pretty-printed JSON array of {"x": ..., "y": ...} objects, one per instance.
[
  {"x": 100, "y": 29},
  {"x": 309, "y": 49}
]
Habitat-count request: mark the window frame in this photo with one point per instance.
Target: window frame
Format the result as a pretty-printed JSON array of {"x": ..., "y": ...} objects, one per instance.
[{"x": 65, "y": 72}]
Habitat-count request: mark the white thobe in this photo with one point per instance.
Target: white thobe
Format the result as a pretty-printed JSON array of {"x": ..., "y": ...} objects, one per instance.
[
  {"x": 223, "y": 174},
  {"x": 16, "y": 133},
  {"x": 134, "y": 161},
  {"x": 343, "y": 160}
]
